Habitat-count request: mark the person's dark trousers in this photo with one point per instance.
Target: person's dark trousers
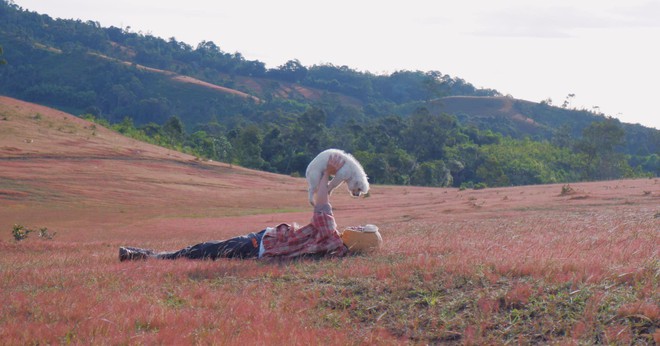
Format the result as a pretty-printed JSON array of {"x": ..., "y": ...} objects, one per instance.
[{"x": 246, "y": 246}]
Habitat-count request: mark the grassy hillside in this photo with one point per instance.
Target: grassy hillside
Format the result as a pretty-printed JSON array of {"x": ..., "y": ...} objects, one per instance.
[{"x": 548, "y": 264}]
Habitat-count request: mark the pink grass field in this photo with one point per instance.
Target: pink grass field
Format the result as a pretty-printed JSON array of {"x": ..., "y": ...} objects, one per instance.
[{"x": 518, "y": 265}]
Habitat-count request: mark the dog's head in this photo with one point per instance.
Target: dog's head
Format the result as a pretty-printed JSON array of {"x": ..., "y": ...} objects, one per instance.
[{"x": 358, "y": 187}]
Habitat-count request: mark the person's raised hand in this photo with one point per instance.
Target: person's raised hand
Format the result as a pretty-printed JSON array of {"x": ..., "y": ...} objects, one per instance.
[{"x": 335, "y": 162}]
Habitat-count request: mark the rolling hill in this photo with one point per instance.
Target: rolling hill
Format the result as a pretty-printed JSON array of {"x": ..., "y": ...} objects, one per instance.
[
  {"x": 66, "y": 172},
  {"x": 61, "y": 170},
  {"x": 577, "y": 263},
  {"x": 44, "y": 67}
]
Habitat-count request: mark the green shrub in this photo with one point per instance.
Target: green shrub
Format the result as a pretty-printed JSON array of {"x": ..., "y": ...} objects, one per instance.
[
  {"x": 480, "y": 186},
  {"x": 567, "y": 190},
  {"x": 20, "y": 232}
]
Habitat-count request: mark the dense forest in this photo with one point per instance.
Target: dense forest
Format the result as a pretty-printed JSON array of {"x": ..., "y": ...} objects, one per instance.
[{"x": 408, "y": 127}]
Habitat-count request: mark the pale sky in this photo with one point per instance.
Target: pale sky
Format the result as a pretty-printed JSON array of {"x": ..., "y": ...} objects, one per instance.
[{"x": 603, "y": 51}]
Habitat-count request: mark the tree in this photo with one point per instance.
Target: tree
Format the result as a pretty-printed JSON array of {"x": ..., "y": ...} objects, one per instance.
[
  {"x": 598, "y": 143},
  {"x": 427, "y": 134},
  {"x": 603, "y": 136},
  {"x": 432, "y": 173},
  {"x": 275, "y": 150},
  {"x": 2, "y": 61},
  {"x": 393, "y": 166},
  {"x": 126, "y": 127},
  {"x": 173, "y": 130},
  {"x": 652, "y": 164},
  {"x": 223, "y": 149},
  {"x": 432, "y": 85},
  {"x": 291, "y": 71},
  {"x": 208, "y": 48},
  {"x": 375, "y": 165},
  {"x": 490, "y": 171},
  {"x": 247, "y": 145},
  {"x": 151, "y": 129},
  {"x": 311, "y": 134},
  {"x": 203, "y": 145},
  {"x": 562, "y": 136},
  {"x": 567, "y": 101}
]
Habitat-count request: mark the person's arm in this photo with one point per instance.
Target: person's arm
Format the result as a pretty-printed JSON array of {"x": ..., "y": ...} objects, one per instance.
[{"x": 334, "y": 164}]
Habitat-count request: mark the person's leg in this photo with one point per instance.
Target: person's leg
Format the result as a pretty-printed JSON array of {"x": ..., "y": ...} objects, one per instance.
[{"x": 246, "y": 246}]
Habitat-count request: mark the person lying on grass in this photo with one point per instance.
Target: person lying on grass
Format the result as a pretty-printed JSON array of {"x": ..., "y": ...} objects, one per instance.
[{"x": 319, "y": 238}]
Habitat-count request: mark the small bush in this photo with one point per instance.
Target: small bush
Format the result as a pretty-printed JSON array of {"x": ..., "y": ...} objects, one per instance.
[
  {"x": 567, "y": 190},
  {"x": 466, "y": 185},
  {"x": 45, "y": 234},
  {"x": 480, "y": 186},
  {"x": 472, "y": 185},
  {"x": 20, "y": 232}
]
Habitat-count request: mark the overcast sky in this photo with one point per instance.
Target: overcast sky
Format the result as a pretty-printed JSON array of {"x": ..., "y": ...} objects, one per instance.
[{"x": 603, "y": 51}]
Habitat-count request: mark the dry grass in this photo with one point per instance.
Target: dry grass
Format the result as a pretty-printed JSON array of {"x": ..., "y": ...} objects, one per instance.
[
  {"x": 490, "y": 281},
  {"x": 523, "y": 265}
]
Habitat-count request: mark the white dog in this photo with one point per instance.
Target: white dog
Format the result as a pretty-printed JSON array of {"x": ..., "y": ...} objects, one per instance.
[{"x": 351, "y": 172}]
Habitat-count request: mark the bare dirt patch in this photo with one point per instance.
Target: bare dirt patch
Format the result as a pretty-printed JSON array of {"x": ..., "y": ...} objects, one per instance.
[{"x": 185, "y": 79}]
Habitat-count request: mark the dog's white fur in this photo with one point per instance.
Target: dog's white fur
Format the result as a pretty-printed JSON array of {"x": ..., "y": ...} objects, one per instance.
[{"x": 351, "y": 172}]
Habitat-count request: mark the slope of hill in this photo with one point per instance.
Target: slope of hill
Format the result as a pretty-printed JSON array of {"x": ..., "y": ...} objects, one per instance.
[
  {"x": 486, "y": 112},
  {"x": 65, "y": 172},
  {"x": 59, "y": 167},
  {"x": 181, "y": 78},
  {"x": 547, "y": 263},
  {"x": 513, "y": 117},
  {"x": 256, "y": 86},
  {"x": 520, "y": 118}
]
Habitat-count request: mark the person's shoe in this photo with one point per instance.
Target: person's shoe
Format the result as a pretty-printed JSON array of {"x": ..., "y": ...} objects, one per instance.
[{"x": 132, "y": 253}]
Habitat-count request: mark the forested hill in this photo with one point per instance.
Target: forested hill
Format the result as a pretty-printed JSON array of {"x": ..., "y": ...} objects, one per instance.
[
  {"x": 80, "y": 60},
  {"x": 408, "y": 127}
]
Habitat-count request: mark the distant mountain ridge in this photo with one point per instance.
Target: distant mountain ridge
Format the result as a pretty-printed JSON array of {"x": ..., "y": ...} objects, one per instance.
[{"x": 206, "y": 65}]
